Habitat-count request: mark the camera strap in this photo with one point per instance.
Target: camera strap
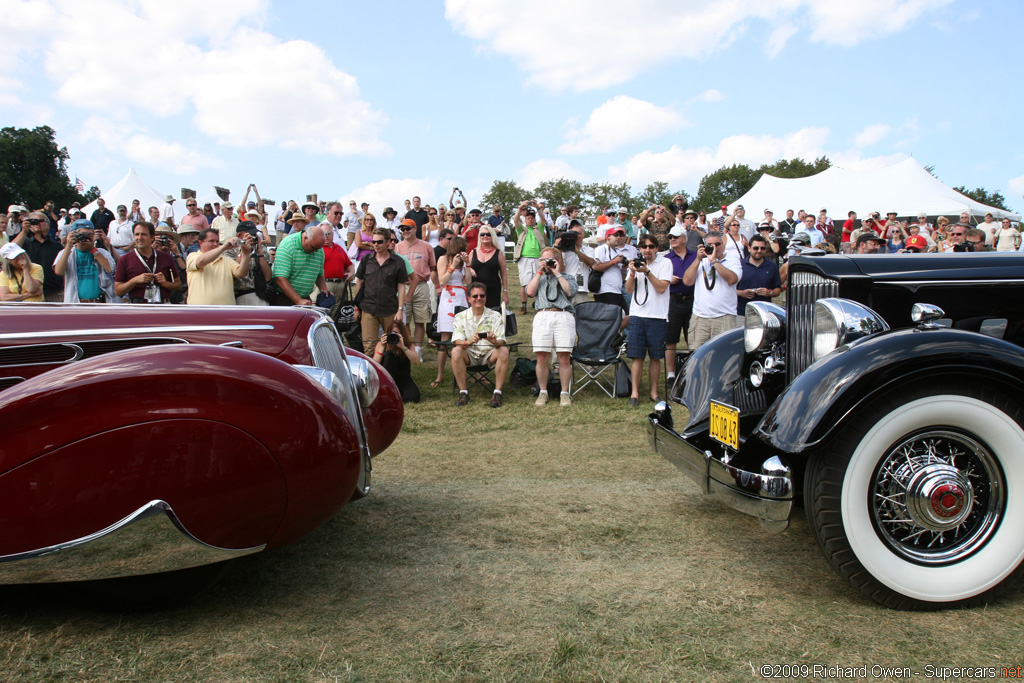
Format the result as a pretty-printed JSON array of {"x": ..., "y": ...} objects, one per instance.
[{"x": 709, "y": 285}]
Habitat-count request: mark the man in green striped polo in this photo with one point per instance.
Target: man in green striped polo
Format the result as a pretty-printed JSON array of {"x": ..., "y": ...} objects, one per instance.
[{"x": 299, "y": 266}]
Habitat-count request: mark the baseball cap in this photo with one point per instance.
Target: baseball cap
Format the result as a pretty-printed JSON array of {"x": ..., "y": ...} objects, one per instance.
[
  {"x": 869, "y": 237},
  {"x": 476, "y": 211},
  {"x": 16, "y": 208},
  {"x": 677, "y": 231},
  {"x": 917, "y": 242},
  {"x": 408, "y": 222},
  {"x": 617, "y": 230},
  {"x": 622, "y": 209},
  {"x": 11, "y": 251}
]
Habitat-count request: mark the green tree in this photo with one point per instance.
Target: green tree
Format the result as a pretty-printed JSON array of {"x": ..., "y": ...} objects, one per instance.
[
  {"x": 655, "y": 193},
  {"x": 91, "y": 195},
  {"x": 560, "y": 192},
  {"x": 607, "y": 194},
  {"x": 729, "y": 183},
  {"x": 796, "y": 168},
  {"x": 33, "y": 168},
  {"x": 980, "y": 194},
  {"x": 506, "y": 194}
]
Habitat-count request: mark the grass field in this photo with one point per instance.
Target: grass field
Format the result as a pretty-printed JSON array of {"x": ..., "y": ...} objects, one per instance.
[{"x": 520, "y": 544}]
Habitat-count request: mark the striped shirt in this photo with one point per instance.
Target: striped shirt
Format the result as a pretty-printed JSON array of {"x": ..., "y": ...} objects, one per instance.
[{"x": 296, "y": 265}]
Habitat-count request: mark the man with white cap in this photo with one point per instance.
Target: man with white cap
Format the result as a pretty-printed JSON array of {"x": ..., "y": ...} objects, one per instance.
[
  {"x": 167, "y": 211},
  {"x": 226, "y": 224},
  {"x": 14, "y": 212}
]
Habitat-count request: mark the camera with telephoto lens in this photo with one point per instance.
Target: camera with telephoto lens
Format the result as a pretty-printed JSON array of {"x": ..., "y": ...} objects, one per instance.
[
  {"x": 639, "y": 262},
  {"x": 550, "y": 262},
  {"x": 568, "y": 240},
  {"x": 393, "y": 338}
]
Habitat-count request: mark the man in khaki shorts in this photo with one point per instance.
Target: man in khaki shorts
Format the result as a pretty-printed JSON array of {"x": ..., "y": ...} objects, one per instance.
[
  {"x": 478, "y": 335},
  {"x": 417, "y": 299}
]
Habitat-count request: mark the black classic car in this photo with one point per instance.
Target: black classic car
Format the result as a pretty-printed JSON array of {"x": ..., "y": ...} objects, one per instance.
[{"x": 889, "y": 392}]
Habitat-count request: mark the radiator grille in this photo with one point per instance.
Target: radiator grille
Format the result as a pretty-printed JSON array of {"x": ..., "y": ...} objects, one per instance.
[{"x": 803, "y": 290}]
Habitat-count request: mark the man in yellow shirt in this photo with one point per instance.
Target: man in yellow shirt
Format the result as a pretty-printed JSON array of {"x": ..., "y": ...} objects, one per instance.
[{"x": 211, "y": 274}]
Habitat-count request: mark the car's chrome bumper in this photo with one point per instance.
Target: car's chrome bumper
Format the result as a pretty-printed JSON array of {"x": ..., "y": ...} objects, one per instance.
[{"x": 767, "y": 495}]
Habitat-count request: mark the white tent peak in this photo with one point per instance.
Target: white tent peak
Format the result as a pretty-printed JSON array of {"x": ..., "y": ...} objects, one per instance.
[
  {"x": 905, "y": 187},
  {"x": 130, "y": 187}
]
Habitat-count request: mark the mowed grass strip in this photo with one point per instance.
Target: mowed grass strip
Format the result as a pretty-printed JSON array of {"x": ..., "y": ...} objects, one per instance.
[{"x": 520, "y": 544}]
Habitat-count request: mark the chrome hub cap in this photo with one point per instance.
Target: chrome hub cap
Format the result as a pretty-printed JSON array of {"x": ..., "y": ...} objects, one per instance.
[{"x": 937, "y": 497}]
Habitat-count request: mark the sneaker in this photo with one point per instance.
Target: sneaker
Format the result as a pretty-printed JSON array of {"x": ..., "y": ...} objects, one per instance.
[
  {"x": 463, "y": 399},
  {"x": 542, "y": 399},
  {"x": 496, "y": 400},
  {"x": 565, "y": 399},
  {"x": 633, "y": 402}
]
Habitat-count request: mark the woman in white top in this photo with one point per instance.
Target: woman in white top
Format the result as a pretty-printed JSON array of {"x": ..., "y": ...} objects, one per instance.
[
  {"x": 453, "y": 275},
  {"x": 431, "y": 229}
]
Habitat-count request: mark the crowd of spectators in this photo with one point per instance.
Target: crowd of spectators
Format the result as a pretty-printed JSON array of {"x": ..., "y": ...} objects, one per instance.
[{"x": 678, "y": 276}]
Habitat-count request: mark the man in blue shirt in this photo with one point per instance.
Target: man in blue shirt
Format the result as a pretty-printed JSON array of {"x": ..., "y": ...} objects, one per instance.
[
  {"x": 680, "y": 306},
  {"x": 760, "y": 280}
]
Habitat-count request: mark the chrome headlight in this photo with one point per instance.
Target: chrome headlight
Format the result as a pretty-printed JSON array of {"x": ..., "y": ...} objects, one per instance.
[
  {"x": 840, "y": 321},
  {"x": 364, "y": 375},
  {"x": 325, "y": 378},
  {"x": 765, "y": 324}
]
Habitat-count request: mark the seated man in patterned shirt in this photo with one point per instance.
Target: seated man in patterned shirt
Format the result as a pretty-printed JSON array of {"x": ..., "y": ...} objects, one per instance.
[{"x": 478, "y": 335}]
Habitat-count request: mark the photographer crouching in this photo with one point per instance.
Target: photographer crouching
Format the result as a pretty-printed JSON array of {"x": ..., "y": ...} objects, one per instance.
[
  {"x": 648, "y": 280},
  {"x": 554, "y": 327}
]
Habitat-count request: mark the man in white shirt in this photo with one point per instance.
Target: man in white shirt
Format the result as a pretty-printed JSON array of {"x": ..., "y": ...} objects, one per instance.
[
  {"x": 226, "y": 224},
  {"x": 120, "y": 231},
  {"x": 989, "y": 226},
  {"x": 611, "y": 260},
  {"x": 353, "y": 220},
  {"x": 713, "y": 276},
  {"x": 647, "y": 285},
  {"x": 167, "y": 211},
  {"x": 747, "y": 227}
]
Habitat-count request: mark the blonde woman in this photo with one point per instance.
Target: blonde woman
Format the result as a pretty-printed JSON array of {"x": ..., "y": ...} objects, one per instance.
[{"x": 20, "y": 279}]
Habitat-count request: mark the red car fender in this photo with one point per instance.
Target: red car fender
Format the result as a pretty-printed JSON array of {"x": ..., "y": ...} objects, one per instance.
[
  {"x": 384, "y": 417},
  {"x": 246, "y": 449}
]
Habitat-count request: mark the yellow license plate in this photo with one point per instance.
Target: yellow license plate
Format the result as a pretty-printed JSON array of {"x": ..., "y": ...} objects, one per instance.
[{"x": 725, "y": 424}]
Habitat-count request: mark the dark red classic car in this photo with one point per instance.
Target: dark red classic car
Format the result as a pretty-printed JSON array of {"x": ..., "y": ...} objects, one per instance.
[{"x": 147, "y": 440}]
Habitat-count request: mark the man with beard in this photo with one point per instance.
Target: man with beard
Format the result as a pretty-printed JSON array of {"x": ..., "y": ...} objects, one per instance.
[{"x": 760, "y": 280}]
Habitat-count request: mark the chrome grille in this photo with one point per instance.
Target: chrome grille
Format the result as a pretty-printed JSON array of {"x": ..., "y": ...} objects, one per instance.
[
  {"x": 327, "y": 349},
  {"x": 803, "y": 291}
]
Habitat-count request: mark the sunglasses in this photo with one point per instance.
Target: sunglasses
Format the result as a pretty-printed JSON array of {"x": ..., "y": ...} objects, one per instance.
[
  {"x": 713, "y": 244},
  {"x": 757, "y": 249},
  {"x": 406, "y": 229},
  {"x": 477, "y": 296},
  {"x": 958, "y": 234},
  {"x": 376, "y": 241},
  {"x": 649, "y": 246}
]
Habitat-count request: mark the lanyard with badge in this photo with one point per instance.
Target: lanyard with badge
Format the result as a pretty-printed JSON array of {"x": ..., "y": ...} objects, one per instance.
[{"x": 152, "y": 289}]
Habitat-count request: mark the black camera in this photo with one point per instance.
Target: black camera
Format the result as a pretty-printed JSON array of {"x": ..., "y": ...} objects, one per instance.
[
  {"x": 568, "y": 240},
  {"x": 82, "y": 237},
  {"x": 33, "y": 221},
  {"x": 250, "y": 228},
  {"x": 483, "y": 334},
  {"x": 639, "y": 262},
  {"x": 964, "y": 246},
  {"x": 163, "y": 240},
  {"x": 550, "y": 262},
  {"x": 393, "y": 338}
]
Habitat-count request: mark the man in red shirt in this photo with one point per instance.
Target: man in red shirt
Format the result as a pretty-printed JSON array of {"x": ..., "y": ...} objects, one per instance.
[
  {"x": 849, "y": 225},
  {"x": 472, "y": 230},
  {"x": 338, "y": 267},
  {"x": 194, "y": 217},
  {"x": 145, "y": 274}
]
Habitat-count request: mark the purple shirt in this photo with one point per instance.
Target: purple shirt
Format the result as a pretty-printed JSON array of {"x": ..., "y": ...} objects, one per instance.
[{"x": 679, "y": 266}]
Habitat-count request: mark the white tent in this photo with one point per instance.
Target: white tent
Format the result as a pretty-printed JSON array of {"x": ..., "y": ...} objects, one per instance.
[
  {"x": 904, "y": 187},
  {"x": 128, "y": 188}
]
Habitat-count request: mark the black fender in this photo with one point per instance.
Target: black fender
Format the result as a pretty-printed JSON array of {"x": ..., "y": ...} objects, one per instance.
[{"x": 820, "y": 400}]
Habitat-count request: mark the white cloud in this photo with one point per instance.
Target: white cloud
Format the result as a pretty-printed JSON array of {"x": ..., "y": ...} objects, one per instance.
[
  {"x": 207, "y": 60},
  {"x": 540, "y": 170},
  {"x": 710, "y": 95},
  {"x": 1016, "y": 186},
  {"x": 138, "y": 145},
  {"x": 652, "y": 30},
  {"x": 871, "y": 135},
  {"x": 620, "y": 121},
  {"x": 852, "y": 160},
  {"x": 685, "y": 167},
  {"x": 393, "y": 192}
]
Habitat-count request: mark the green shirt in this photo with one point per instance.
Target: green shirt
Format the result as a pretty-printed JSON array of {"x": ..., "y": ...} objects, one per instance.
[
  {"x": 531, "y": 247},
  {"x": 296, "y": 265}
]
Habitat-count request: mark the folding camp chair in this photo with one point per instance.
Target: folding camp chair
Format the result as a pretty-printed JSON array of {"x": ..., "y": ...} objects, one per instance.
[
  {"x": 475, "y": 374},
  {"x": 598, "y": 345}
]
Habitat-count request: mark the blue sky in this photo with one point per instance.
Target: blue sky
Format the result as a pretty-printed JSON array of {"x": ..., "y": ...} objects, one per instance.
[{"x": 380, "y": 101}]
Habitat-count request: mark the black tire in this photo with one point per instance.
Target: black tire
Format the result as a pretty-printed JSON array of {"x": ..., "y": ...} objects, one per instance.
[
  {"x": 917, "y": 502},
  {"x": 147, "y": 592}
]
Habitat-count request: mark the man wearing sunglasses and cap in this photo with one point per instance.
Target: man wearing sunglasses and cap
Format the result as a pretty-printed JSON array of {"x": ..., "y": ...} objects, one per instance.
[{"x": 87, "y": 269}]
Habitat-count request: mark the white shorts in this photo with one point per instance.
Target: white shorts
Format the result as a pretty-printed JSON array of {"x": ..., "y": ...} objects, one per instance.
[
  {"x": 527, "y": 269},
  {"x": 554, "y": 332}
]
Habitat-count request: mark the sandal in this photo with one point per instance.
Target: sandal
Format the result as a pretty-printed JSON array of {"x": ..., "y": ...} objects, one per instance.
[{"x": 435, "y": 384}]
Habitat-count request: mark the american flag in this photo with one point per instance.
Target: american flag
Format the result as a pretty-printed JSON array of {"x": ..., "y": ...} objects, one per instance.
[{"x": 79, "y": 185}]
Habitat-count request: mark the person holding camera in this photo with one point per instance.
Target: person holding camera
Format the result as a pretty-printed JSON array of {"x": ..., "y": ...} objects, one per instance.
[
  {"x": 578, "y": 258},
  {"x": 145, "y": 275},
  {"x": 245, "y": 284},
  {"x": 529, "y": 243},
  {"x": 714, "y": 274},
  {"x": 42, "y": 249},
  {"x": 611, "y": 259},
  {"x": 554, "y": 327},
  {"x": 211, "y": 273},
  {"x": 478, "y": 335},
  {"x": 648, "y": 280},
  {"x": 397, "y": 358},
  {"x": 680, "y": 306}
]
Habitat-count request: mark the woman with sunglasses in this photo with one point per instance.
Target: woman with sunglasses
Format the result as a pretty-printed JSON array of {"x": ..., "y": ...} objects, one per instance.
[
  {"x": 453, "y": 275},
  {"x": 431, "y": 229},
  {"x": 20, "y": 279},
  {"x": 364, "y": 238},
  {"x": 489, "y": 265}
]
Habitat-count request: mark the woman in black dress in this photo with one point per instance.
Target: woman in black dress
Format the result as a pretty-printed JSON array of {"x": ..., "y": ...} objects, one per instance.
[
  {"x": 398, "y": 359},
  {"x": 488, "y": 262}
]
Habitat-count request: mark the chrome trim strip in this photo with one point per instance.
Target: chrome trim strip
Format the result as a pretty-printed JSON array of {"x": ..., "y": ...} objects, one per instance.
[
  {"x": 148, "y": 541},
  {"x": 49, "y": 334},
  {"x": 767, "y": 496}
]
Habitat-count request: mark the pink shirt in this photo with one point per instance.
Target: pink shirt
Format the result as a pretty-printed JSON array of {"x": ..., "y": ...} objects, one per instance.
[{"x": 420, "y": 255}]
